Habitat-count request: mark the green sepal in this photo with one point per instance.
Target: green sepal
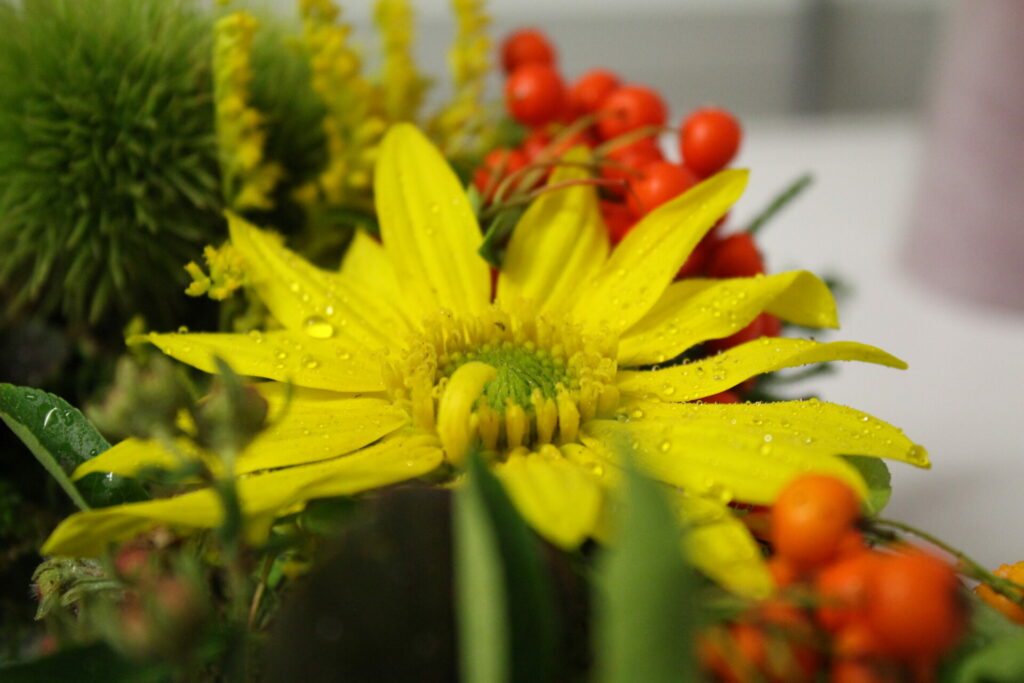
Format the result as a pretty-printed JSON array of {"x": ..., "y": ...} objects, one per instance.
[{"x": 62, "y": 438}]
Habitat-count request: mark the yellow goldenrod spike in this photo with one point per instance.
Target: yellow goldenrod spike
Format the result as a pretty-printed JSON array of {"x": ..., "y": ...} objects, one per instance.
[
  {"x": 401, "y": 87},
  {"x": 352, "y": 126},
  {"x": 456, "y": 406},
  {"x": 248, "y": 181},
  {"x": 464, "y": 118}
]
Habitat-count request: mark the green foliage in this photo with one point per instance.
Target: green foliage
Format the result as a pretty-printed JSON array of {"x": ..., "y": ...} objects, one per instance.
[
  {"x": 107, "y": 156},
  {"x": 645, "y": 605},
  {"x": 504, "y": 601},
  {"x": 61, "y": 439},
  {"x": 992, "y": 651},
  {"x": 89, "y": 664},
  {"x": 876, "y": 476}
]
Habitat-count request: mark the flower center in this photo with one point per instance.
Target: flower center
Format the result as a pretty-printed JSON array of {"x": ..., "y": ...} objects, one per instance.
[{"x": 506, "y": 380}]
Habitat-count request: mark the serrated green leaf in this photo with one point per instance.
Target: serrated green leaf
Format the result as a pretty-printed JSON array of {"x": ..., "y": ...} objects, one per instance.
[
  {"x": 645, "y": 610},
  {"x": 505, "y": 608},
  {"x": 876, "y": 475},
  {"x": 62, "y": 438}
]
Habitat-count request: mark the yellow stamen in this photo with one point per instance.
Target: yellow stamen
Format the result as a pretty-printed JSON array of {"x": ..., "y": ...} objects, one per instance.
[{"x": 454, "y": 426}]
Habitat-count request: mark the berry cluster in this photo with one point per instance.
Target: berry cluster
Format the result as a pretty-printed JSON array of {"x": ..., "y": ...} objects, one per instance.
[{"x": 867, "y": 614}]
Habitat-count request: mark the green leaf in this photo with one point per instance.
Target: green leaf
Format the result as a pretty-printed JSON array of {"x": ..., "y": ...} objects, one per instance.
[
  {"x": 791, "y": 192},
  {"x": 497, "y": 234},
  {"x": 88, "y": 664},
  {"x": 505, "y": 608},
  {"x": 876, "y": 475},
  {"x": 645, "y": 608},
  {"x": 62, "y": 438}
]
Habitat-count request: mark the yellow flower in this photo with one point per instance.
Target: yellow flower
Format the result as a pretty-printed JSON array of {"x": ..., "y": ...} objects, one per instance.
[{"x": 402, "y": 362}]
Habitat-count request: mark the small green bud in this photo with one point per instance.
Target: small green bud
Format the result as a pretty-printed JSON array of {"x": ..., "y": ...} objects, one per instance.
[
  {"x": 232, "y": 415},
  {"x": 143, "y": 402}
]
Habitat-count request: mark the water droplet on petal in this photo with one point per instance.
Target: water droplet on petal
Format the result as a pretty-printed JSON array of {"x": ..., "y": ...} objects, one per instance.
[
  {"x": 318, "y": 328},
  {"x": 310, "y": 363}
]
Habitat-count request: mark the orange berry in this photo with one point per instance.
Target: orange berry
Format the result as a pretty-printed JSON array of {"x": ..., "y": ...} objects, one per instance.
[
  {"x": 914, "y": 605},
  {"x": 810, "y": 516},
  {"x": 843, "y": 590}
]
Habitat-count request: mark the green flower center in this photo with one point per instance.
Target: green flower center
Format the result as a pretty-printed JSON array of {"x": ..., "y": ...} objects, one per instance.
[{"x": 520, "y": 370}]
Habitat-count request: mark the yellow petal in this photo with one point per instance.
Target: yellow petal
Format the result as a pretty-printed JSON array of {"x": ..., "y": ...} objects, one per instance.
[
  {"x": 711, "y": 457},
  {"x": 693, "y": 310},
  {"x": 690, "y": 381},
  {"x": 366, "y": 267},
  {"x": 721, "y": 547},
  {"x": 130, "y": 456},
  {"x": 307, "y": 299},
  {"x": 559, "y": 243},
  {"x": 428, "y": 227},
  {"x": 829, "y": 427},
  {"x": 282, "y": 355},
  {"x": 87, "y": 533},
  {"x": 558, "y": 499},
  {"x": 315, "y": 428},
  {"x": 641, "y": 267}
]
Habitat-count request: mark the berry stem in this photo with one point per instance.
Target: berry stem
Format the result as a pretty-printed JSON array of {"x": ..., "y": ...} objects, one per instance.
[
  {"x": 527, "y": 198},
  {"x": 967, "y": 566}
]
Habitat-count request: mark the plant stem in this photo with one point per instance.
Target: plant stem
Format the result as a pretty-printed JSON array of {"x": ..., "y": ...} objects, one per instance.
[{"x": 968, "y": 566}]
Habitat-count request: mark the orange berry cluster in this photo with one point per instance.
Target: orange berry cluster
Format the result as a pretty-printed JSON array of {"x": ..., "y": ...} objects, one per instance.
[{"x": 865, "y": 614}]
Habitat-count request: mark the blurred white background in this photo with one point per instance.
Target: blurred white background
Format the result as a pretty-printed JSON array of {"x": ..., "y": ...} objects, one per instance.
[{"x": 840, "y": 88}]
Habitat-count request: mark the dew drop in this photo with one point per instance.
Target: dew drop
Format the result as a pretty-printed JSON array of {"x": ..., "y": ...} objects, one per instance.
[
  {"x": 638, "y": 414},
  {"x": 256, "y": 336},
  {"x": 182, "y": 329},
  {"x": 665, "y": 446},
  {"x": 310, "y": 363},
  {"x": 281, "y": 354},
  {"x": 318, "y": 328}
]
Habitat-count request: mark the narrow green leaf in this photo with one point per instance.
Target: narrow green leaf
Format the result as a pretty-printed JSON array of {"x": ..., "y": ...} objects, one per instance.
[
  {"x": 497, "y": 235},
  {"x": 792, "y": 191},
  {"x": 505, "y": 605},
  {"x": 645, "y": 611},
  {"x": 62, "y": 438},
  {"x": 876, "y": 476}
]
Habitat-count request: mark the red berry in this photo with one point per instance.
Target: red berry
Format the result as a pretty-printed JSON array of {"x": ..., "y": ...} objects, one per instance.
[
  {"x": 526, "y": 46},
  {"x": 628, "y": 161},
  {"x": 721, "y": 397},
  {"x": 761, "y": 326},
  {"x": 592, "y": 88},
  {"x": 618, "y": 218},
  {"x": 534, "y": 94},
  {"x": 694, "y": 264},
  {"x": 499, "y": 163},
  {"x": 710, "y": 139},
  {"x": 659, "y": 182},
  {"x": 628, "y": 108},
  {"x": 735, "y": 256}
]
